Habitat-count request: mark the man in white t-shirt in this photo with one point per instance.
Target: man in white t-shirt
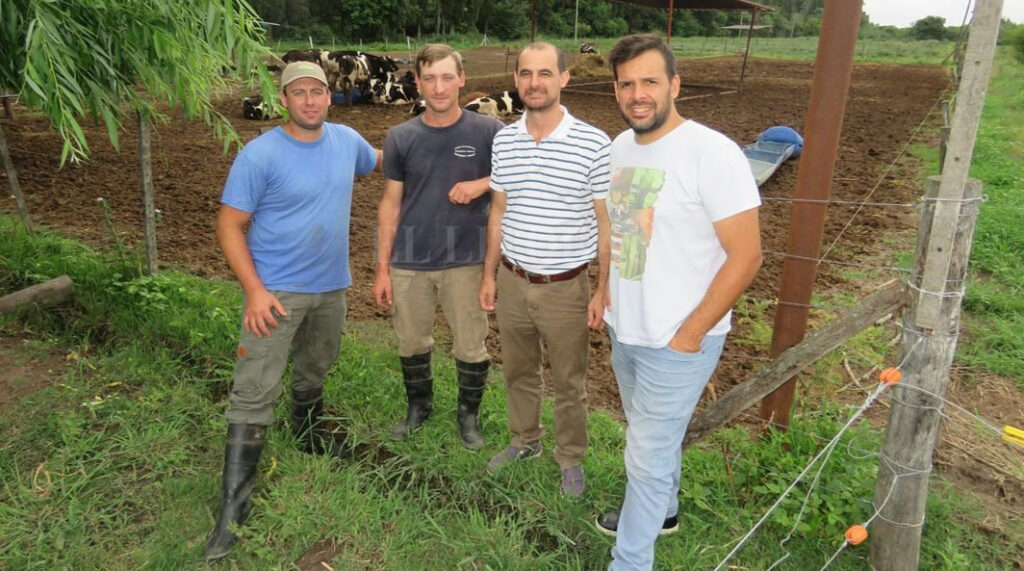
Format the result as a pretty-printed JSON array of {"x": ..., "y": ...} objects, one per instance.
[{"x": 685, "y": 244}]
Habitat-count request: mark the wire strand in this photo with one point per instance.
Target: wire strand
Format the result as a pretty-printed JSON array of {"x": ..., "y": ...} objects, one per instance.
[{"x": 885, "y": 173}]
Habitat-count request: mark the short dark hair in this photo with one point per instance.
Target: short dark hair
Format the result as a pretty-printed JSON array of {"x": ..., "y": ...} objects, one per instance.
[
  {"x": 562, "y": 67},
  {"x": 430, "y": 54},
  {"x": 631, "y": 47}
]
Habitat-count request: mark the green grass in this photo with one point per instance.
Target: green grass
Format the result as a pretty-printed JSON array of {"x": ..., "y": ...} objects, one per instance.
[
  {"x": 995, "y": 300},
  {"x": 994, "y": 305},
  {"x": 117, "y": 466},
  {"x": 803, "y": 48}
]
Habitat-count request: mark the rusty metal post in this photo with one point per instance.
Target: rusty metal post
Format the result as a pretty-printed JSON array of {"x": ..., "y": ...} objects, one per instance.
[
  {"x": 533, "y": 19},
  {"x": 671, "y": 8},
  {"x": 829, "y": 88},
  {"x": 746, "y": 52}
]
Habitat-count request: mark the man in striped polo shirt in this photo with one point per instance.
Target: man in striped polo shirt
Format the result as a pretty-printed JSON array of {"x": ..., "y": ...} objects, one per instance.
[{"x": 548, "y": 221}]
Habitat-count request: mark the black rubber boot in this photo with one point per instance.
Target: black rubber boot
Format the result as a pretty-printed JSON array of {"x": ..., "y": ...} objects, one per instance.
[
  {"x": 472, "y": 383},
  {"x": 241, "y": 455},
  {"x": 309, "y": 429},
  {"x": 419, "y": 389}
]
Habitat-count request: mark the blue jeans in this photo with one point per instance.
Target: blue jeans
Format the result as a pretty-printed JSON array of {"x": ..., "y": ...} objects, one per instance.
[{"x": 659, "y": 389}]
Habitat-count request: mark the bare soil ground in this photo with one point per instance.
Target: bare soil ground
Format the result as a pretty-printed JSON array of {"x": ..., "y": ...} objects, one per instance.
[
  {"x": 886, "y": 105},
  {"x": 25, "y": 368}
]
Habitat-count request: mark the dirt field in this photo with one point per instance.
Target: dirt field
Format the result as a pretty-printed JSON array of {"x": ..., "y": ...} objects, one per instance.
[{"x": 886, "y": 104}]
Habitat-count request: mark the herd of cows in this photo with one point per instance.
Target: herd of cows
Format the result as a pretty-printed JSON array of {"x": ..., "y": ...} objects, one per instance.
[{"x": 360, "y": 77}]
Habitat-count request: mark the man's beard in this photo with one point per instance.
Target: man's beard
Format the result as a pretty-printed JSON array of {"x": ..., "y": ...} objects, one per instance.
[{"x": 656, "y": 122}]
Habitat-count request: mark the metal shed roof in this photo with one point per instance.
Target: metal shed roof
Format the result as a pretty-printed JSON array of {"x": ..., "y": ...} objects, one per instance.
[{"x": 727, "y": 5}]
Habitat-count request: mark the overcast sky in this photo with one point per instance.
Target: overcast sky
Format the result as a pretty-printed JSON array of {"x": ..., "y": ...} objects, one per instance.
[{"x": 904, "y": 13}]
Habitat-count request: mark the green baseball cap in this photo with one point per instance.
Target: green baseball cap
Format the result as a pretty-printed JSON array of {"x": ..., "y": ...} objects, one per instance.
[{"x": 301, "y": 69}]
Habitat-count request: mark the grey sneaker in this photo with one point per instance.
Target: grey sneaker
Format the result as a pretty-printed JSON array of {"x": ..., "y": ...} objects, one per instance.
[
  {"x": 572, "y": 482},
  {"x": 608, "y": 524},
  {"x": 514, "y": 454}
]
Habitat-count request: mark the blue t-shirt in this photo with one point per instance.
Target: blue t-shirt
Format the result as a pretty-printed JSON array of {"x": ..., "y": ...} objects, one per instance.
[{"x": 300, "y": 197}]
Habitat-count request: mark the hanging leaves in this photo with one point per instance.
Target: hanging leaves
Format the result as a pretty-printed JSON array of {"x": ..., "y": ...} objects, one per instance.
[{"x": 108, "y": 59}]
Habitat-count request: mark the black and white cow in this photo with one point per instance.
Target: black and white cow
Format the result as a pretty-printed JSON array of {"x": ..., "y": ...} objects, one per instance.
[
  {"x": 347, "y": 70},
  {"x": 379, "y": 65},
  {"x": 501, "y": 104},
  {"x": 394, "y": 90},
  {"x": 587, "y": 48},
  {"x": 255, "y": 109},
  {"x": 340, "y": 67},
  {"x": 301, "y": 55},
  {"x": 374, "y": 66},
  {"x": 345, "y": 73}
]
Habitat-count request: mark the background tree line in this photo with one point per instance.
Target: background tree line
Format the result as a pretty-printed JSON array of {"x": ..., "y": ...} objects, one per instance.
[
  {"x": 350, "y": 21},
  {"x": 373, "y": 20}
]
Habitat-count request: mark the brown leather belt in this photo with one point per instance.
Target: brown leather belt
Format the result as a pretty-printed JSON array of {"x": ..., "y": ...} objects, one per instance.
[{"x": 542, "y": 278}]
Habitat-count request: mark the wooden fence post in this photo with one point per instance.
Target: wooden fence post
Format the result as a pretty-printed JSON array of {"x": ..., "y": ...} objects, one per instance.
[
  {"x": 970, "y": 97},
  {"x": 146, "y": 176},
  {"x": 906, "y": 459},
  {"x": 932, "y": 320},
  {"x": 12, "y": 180}
]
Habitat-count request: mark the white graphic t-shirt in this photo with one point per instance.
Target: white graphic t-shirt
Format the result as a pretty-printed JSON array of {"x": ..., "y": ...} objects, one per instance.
[{"x": 664, "y": 200}]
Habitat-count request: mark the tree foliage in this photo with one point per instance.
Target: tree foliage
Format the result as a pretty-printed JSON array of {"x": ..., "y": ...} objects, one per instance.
[
  {"x": 371, "y": 20},
  {"x": 1016, "y": 41},
  {"x": 106, "y": 59},
  {"x": 929, "y": 28}
]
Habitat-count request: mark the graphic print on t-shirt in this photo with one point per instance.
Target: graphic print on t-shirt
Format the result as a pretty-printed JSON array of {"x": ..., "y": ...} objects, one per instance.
[{"x": 634, "y": 190}]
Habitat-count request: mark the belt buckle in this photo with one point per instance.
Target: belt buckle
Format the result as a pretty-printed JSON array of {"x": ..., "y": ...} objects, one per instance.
[{"x": 543, "y": 279}]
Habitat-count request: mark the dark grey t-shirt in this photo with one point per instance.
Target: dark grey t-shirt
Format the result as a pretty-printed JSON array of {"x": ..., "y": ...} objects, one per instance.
[{"x": 433, "y": 233}]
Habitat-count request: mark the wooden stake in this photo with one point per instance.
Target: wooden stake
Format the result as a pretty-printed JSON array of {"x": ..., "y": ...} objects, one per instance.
[
  {"x": 12, "y": 179},
  {"x": 533, "y": 19},
  {"x": 148, "y": 208},
  {"x": 906, "y": 459},
  {"x": 970, "y": 98},
  {"x": 668, "y": 32}
]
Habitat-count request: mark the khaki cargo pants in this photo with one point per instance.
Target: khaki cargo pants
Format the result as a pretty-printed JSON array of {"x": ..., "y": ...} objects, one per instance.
[
  {"x": 312, "y": 331},
  {"x": 416, "y": 296}
]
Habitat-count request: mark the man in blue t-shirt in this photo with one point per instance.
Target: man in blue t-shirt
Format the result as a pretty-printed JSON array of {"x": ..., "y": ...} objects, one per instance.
[{"x": 293, "y": 187}]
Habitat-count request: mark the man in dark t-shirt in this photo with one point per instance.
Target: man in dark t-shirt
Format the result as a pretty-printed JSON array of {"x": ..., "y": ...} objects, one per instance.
[{"x": 431, "y": 238}]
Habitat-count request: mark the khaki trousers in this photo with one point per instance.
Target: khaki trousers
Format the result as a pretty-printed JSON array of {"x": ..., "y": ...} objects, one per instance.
[
  {"x": 416, "y": 295},
  {"x": 312, "y": 330},
  {"x": 555, "y": 314}
]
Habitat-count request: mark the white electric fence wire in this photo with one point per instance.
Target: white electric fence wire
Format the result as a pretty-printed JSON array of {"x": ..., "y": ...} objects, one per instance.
[
  {"x": 822, "y": 455},
  {"x": 881, "y": 178},
  {"x": 826, "y": 450}
]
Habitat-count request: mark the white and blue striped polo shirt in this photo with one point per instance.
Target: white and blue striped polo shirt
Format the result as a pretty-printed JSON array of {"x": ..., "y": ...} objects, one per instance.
[{"x": 549, "y": 225}]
